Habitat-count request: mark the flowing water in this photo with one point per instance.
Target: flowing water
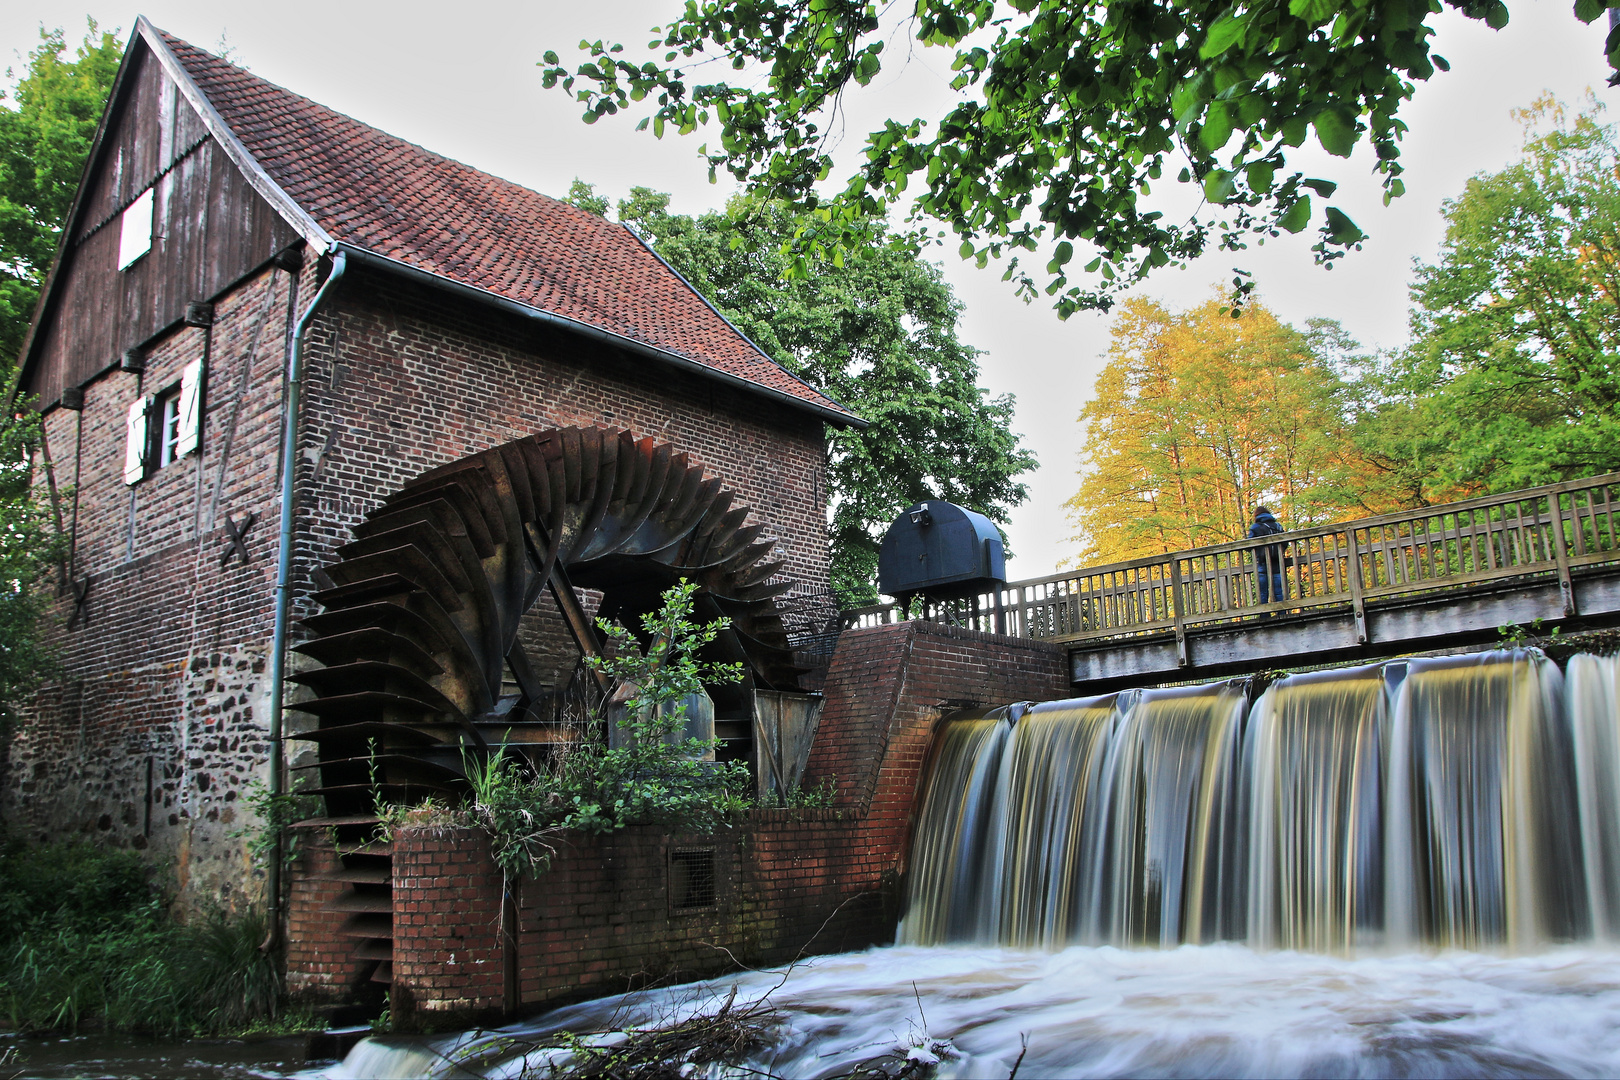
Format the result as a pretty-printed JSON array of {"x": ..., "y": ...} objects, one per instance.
[
  {"x": 1405, "y": 869},
  {"x": 1467, "y": 802},
  {"x": 1221, "y": 1010}
]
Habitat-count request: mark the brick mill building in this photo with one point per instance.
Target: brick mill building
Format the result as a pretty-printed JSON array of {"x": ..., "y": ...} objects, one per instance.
[{"x": 248, "y": 278}]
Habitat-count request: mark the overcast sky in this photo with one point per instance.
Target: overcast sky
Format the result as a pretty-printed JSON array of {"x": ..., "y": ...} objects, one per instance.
[{"x": 461, "y": 79}]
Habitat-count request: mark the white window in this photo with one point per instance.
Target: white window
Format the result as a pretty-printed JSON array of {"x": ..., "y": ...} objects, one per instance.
[
  {"x": 168, "y": 429},
  {"x": 160, "y": 429},
  {"x": 135, "y": 230}
]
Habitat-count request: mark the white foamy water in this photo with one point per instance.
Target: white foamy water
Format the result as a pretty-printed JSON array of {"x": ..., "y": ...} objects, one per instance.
[{"x": 1193, "y": 1011}]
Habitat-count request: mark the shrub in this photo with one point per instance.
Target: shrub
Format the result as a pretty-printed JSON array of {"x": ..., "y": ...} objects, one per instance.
[
  {"x": 651, "y": 775},
  {"x": 85, "y": 936}
]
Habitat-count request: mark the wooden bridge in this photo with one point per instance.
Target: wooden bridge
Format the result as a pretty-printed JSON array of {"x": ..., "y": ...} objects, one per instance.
[{"x": 1404, "y": 582}]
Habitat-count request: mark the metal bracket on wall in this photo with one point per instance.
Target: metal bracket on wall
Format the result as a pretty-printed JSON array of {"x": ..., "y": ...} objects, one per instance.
[
  {"x": 235, "y": 534},
  {"x": 80, "y": 588}
]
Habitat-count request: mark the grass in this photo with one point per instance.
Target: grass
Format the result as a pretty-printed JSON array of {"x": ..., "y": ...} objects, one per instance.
[{"x": 86, "y": 938}]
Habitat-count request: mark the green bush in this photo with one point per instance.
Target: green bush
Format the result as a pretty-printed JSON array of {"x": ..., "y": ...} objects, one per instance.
[
  {"x": 654, "y": 776},
  {"x": 85, "y": 936}
]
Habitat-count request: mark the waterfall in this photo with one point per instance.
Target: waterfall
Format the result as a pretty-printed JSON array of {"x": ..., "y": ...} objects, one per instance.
[
  {"x": 1594, "y": 702},
  {"x": 1457, "y": 802}
]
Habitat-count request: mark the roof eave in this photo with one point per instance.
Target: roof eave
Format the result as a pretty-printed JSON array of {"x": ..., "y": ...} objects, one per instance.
[
  {"x": 406, "y": 270},
  {"x": 857, "y": 421}
]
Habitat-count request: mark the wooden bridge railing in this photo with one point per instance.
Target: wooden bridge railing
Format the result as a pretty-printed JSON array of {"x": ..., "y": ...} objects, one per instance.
[{"x": 1537, "y": 532}]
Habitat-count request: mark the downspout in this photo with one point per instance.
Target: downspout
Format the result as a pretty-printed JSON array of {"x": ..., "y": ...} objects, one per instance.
[{"x": 278, "y": 642}]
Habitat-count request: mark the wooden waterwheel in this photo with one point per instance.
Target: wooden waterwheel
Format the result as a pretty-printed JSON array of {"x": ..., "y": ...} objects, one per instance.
[{"x": 419, "y": 636}]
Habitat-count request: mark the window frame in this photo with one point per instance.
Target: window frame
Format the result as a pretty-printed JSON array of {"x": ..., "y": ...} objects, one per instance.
[{"x": 164, "y": 429}]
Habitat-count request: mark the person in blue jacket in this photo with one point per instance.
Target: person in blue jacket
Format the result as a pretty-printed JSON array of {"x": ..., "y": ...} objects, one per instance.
[{"x": 1268, "y": 561}]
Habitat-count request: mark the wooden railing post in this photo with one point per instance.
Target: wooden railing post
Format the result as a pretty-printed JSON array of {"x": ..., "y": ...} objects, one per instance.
[
  {"x": 1178, "y": 611},
  {"x": 1356, "y": 603},
  {"x": 1566, "y": 584}
]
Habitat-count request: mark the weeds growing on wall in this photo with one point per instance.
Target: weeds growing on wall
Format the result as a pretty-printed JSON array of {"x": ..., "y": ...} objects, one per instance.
[
  {"x": 271, "y": 815},
  {"x": 86, "y": 938},
  {"x": 649, "y": 775}
]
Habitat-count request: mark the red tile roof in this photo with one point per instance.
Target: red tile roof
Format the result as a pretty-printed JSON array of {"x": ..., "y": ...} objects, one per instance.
[{"x": 370, "y": 189}]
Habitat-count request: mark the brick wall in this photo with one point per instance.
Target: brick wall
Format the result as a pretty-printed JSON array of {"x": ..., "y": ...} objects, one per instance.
[
  {"x": 402, "y": 380},
  {"x": 448, "y": 966},
  {"x": 321, "y": 966},
  {"x": 618, "y": 911},
  {"x": 163, "y": 673}
]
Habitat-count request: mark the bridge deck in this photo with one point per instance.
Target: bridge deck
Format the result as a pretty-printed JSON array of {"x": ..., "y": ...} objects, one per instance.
[{"x": 1398, "y": 582}]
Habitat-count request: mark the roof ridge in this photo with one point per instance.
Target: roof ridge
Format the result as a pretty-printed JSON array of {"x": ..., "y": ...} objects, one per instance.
[
  {"x": 366, "y": 188},
  {"x": 173, "y": 41},
  {"x": 712, "y": 306}
]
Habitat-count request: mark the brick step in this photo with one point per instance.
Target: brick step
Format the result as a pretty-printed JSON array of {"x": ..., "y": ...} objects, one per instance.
[
  {"x": 384, "y": 973},
  {"x": 362, "y": 902},
  {"x": 381, "y": 875},
  {"x": 335, "y": 822}
]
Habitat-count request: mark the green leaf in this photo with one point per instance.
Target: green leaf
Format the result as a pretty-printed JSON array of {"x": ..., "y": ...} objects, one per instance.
[
  {"x": 1189, "y": 97},
  {"x": 1261, "y": 175},
  {"x": 1341, "y": 230},
  {"x": 1588, "y": 10},
  {"x": 1217, "y": 129},
  {"x": 1227, "y": 31},
  {"x": 1219, "y": 185},
  {"x": 1496, "y": 16},
  {"x": 1336, "y": 132},
  {"x": 1297, "y": 216},
  {"x": 1314, "y": 12}
]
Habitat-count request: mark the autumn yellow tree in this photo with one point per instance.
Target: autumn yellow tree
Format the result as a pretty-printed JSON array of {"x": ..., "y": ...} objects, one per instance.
[{"x": 1197, "y": 417}]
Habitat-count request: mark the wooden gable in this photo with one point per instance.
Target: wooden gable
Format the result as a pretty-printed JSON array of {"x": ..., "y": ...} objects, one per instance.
[{"x": 210, "y": 229}]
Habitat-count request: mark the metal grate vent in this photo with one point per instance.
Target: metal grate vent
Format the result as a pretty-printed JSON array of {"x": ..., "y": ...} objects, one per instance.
[{"x": 691, "y": 879}]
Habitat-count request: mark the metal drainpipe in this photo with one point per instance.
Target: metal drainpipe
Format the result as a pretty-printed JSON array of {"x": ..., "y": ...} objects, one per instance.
[{"x": 278, "y": 642}]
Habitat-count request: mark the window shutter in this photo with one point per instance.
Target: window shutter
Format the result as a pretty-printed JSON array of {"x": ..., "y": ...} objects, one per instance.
[
  {"x": 135, "y": 440},
  {"x": 191, "y": 381},
  {"x": 135, "y": 229}
]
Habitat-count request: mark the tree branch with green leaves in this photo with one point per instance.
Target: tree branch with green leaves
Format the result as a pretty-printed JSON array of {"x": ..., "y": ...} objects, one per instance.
[
  {"x": 1067, "y": 116},
  {"x": 646, "y": 773}
]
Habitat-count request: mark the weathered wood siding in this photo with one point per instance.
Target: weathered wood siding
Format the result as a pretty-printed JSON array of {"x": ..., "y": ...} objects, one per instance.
[{"x": 210, "y": 230}]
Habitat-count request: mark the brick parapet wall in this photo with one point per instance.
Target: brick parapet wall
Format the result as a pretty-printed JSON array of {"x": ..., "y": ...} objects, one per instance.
[
  {"x": 912, "y": 673},
  {"x": 606, "y": 916}
]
